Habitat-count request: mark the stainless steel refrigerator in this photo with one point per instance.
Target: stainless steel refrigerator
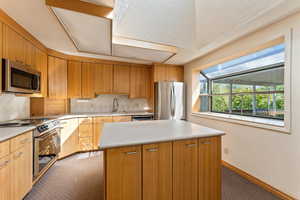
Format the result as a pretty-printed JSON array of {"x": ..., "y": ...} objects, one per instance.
[{"x": 169, "y": 100}]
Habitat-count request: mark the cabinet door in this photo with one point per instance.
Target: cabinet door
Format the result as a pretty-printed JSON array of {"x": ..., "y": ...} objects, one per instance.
[
  {"x": 123, "y": 170},
  {"x": 98, "y": 123},
  {"x": 160, "y": 73},
  {"x": 74, "y": 79},
  {"x": 157, "y": 171},
  {"x": 121, "y": 79},
  {"x": 1, "y": 54},
  {"x": 210, "y": 168},
  {"x": 86, "y": 134},
  {"x": 69, "y": 137},
  {"x": 88, "y": 80},
  {"x": 13, "y": 45},
  {"x": 122, "y": 119},
  {"x": 42, "y": 66},
  {"x": 104, "y": 79},
  {"x": 140, "y": 77},
  {"x": 175, "y": 73},
  {"x": 30, "y": 54},
  {"x": 21, "y": 173},
  {"x": 57, "y": 77},
  {"x": 5, "y": 177},
  {"x": 185, "y": 170}
]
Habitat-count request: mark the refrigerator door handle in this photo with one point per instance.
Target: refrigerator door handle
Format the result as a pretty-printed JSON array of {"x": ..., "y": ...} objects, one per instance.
[{"x": 173, "y": 101}]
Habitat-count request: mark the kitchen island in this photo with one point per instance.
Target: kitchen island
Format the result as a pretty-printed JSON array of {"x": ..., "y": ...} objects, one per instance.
[{"x": 161, "y": 160}]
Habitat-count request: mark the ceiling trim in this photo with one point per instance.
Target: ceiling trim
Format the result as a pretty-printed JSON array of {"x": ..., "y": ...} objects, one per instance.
[
  {"x": 54, "y": 53},
  {"x": 81, "y": 6},
  {"x": 143, "y": 44}
]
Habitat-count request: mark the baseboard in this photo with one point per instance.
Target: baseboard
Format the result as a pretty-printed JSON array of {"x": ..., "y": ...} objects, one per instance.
[{"x": 258, "y": 182}]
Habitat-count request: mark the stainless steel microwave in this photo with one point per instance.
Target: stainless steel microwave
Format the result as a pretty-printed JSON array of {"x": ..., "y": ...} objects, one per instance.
[{"x": 19, "y": 78}]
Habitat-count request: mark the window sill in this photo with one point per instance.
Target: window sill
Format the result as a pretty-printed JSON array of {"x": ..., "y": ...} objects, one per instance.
[{"x": 256, "y": 122}]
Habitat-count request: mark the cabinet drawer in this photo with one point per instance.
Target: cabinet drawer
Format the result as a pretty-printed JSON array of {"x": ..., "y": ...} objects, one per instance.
[
  {"x": 4, "y": 149},
  {"x": 122, "y": 119},
  {"x": 20, "y": 141}
]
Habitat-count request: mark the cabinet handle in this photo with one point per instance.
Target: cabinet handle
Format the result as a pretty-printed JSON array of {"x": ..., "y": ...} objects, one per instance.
[
  {"x": 5, "y": 163},
  {"x": 206, "y": 142},
  {"x": 19, "y": 154},
  {"x": 152, "y": 149},
  {"x": 131, "y": 152},
  {"x": 24, "y": 141},
  {"x": 191, "y": 145}
]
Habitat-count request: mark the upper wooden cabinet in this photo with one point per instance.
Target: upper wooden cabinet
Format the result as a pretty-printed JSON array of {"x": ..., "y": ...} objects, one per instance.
[
  {"x": 164, "y": 72},
  {"x": 13, "y": 45},
  {"x": 104, "y": 78},
  {"x": 88, "y": 80},
  {"x": 74, "y": 79},
  {"x": 121, "y": 79},
  {"x": 57, "y": 77},
  {"x": 140, "y": 81},
  {"x": 1, "y": 54},
  {"x": 30, "y": 55},
  {"x": 42, "y": 66}
]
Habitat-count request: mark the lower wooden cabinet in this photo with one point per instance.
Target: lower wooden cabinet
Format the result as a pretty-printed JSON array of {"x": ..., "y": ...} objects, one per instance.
[
  {"x": 185, "y": 170},
  {"x": 98, "y": 123},
  {"x": 16, "y": 168},
  {"x": 5, "y": 177},
  {"x": 124, "y": 172},
  {"x": 86, "y": 134},
  {"x": 122, "y": 119},
  {"x": 69, "y": 137},
  {"x": 209, "y": 168},
  {"x": 157, "y": 171}
]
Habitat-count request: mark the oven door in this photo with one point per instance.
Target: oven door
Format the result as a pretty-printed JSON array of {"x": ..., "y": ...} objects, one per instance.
[
  {"x": 19, "y": 78},
  {"x": 46, "y": 150}
]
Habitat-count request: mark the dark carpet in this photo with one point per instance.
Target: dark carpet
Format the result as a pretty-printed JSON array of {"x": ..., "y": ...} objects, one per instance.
[{"x": 79, "y": 177}]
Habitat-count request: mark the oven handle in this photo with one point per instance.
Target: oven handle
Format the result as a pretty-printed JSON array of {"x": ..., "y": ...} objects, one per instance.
[{"x": 52, "y": 132}]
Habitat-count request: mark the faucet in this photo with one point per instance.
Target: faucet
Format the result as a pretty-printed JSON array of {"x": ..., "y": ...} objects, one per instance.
[{"x": 115, "y": 105}]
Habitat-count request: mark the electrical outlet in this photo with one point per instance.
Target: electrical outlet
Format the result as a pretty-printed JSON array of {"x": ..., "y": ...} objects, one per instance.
[{"x": 226, "y": 151}]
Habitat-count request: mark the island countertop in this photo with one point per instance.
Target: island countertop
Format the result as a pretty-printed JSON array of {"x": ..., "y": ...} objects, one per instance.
[{"x": 146, "y": 132}]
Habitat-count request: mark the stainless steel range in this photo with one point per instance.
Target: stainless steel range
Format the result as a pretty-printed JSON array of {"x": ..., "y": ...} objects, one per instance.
[{"x": 46, "y": 145}]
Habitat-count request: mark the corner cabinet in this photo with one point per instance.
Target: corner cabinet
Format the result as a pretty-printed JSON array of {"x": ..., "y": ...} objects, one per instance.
[
  {"x": 57, "y": 77},
  {"x": 176, "y": 170},
  {"x": 164, "y": 72}
]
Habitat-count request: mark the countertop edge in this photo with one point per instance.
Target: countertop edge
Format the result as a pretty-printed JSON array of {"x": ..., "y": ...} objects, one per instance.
[{"x": 15, "y": 133}]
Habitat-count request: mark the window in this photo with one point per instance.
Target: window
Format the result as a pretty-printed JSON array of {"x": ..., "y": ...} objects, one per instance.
[{"x": 252, "y": 85}]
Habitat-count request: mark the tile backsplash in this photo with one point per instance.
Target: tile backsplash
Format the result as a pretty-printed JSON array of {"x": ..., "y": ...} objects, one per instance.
[
  {"x": 104, "y": 103},
  {"x": 13, "y": 107}
]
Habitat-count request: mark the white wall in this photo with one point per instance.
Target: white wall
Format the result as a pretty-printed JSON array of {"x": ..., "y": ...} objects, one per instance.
[
  {"x": 268, "y": 155},
  {"x": 12, "y": 107}
]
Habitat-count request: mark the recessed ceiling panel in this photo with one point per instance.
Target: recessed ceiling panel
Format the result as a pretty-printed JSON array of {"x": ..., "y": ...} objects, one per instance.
[
  {"x": 140, "y": 53},
  {"x": 89, "y": 33}
]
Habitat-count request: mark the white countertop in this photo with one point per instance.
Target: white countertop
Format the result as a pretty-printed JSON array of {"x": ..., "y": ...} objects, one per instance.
[
  {"x": 146, "y": 132},
  {"x": 10, "y": 132}
]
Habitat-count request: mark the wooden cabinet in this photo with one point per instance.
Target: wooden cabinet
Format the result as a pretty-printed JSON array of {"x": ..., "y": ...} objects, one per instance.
[
  {"x": 42, "y": 66},
  {"x": 57, "y": 77},
  {"x": 185, "y": 170},
  {"x": 209, "y": 168},
  {"x": 123, "y": 170},
  {"x": 13, "y": 45},
  {"x": 121, "y": 118},
  {"x": 88, "y": 80},
  {"x": 98, "y": 125},
  {"x": 86, "y": 134},
  {"x": 1, "y": 54},
  {"x": 121, "y": 79},
  {"x": 69, "y": 137},
  {"x": 30, "y": 54},
  {"x": 104, "y": 79},
  {"x": 74, "y": 79},
  {"x": 164, "y": 72},
  {"x": 5, "y": 177},
  {"x": 157, "y": 171},
  {"x": 140, "y": 81},
  {"x": 21, "y": 166}
]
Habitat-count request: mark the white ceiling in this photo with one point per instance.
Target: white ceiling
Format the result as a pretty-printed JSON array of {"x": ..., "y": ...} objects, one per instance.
[{"x": 196, "y": 27}]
